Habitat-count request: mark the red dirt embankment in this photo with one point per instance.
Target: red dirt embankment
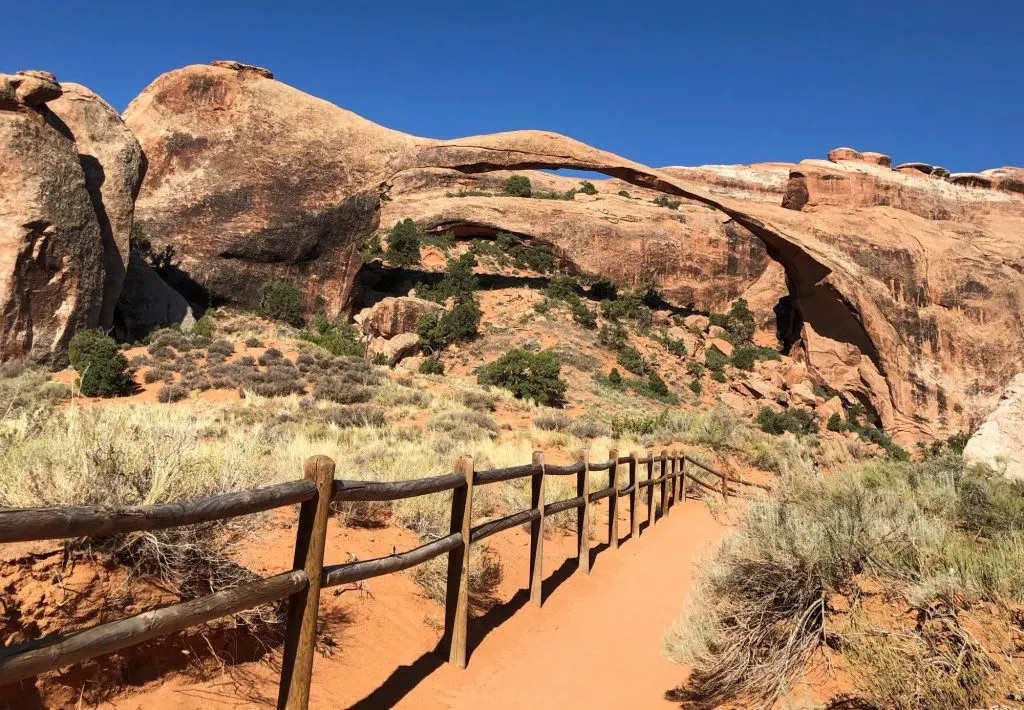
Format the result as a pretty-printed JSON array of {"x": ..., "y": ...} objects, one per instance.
[{"x": 596, "y": 642}]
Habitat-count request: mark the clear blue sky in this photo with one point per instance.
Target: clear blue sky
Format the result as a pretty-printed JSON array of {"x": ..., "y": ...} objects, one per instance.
[{"x": 664, "y": 83}]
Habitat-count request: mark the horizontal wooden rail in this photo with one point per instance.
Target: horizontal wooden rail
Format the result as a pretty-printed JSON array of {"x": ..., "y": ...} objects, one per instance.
[
  {"x": 603, "y": 493},
  {"x": 485, "y": 530},
  {"x": 19, "y": 524},
  {"x": 395, "y": 490},
  {"x": 559, "y": 506},
  {"x": 722, "y": 476},
  {"x": 601, "y": 465},
  {"x": 504, "y": 474},
  {"x": 47, "y": 654},
  {"x": 626, "y": 490},
  {"x": 334, "y": 575},
  {"x": 563, "y": 470}
]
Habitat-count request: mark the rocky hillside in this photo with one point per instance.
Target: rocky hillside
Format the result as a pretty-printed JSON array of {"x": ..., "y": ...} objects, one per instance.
[{"x": 897, "y": 287}]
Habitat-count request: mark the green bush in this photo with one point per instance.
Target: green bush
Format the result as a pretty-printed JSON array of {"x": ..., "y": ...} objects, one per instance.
[
  {"x": 102, "y": 368},
  {"x": 561, "y": 288},
  {"x": 835, "y": 422},
  {"x": 457, "y": 325},
  {"x": 657, "y": 384},
  {"x": 459, "y": 281},
  {"x": 797, "y": 420},
  {"x": 517, "y": 186},
  {"x": 614, "y": 378},
  {"x": 203, "y": 328},
  {"x": 583, "y": 315},
  {"x": 695, "y": 369},
  {"x": 738, "y": 323},
  {"x": 442, "y": 240},
  {"x": 282, "y": 300},
  {"x": 432, "y": 366},
  {"x": 718, "y": 376},
  {"x": 663, "y": 201},
  {"x": 403, "y": 244},
  {"x": 676, "y": 347},
  {"x": 587, "y": 188},
  {"x": 533, "y": 376},
  {"x": 628, "y": 306},
  {"x": 715, "y": 360},
  {"x": 623, "y": 193},
  {"x": 632, "y": 360},
  {"x": 337, "y": 339},
  {"x": 613, "y": 336},
  {"x": 695, "y": 387}
]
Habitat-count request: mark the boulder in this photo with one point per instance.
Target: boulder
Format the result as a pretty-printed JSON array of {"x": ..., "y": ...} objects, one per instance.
[
  {"x": 803, "y": 392},
  {"x": 51, "y": 247},
  {"x": 722, "y": 346},
  {"x": 393, "y": 349},
  {"x": 763, "y": 390},
  {"x": 998, "y": 441},
  {"x": 696, "y": 321},
  {"x": 830, "y": 407},
  {"x": 146, "y": 303},
  {"x": 392, "y": 316},
  {"x": 36, "y": 87},
  {"x": 716, "y": 331},
  {"x": 855, "y": 156},
  {"x": 112, "y": 163}
]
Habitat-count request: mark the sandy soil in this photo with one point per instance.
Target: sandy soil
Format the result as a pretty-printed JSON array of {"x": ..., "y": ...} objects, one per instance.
[{"x": 596, "y": 642}]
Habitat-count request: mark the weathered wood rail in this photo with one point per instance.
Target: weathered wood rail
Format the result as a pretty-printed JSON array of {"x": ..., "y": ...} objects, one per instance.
[{"x": 301, "y": 585}]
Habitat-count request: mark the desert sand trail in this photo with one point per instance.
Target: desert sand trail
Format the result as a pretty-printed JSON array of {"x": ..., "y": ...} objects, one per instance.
[{"x": 595, "y": 642}]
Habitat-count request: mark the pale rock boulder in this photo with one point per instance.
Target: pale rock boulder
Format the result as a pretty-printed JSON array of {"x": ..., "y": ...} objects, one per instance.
[
  {"x": 804, "y": 393},
  {"x": 111, "y": 160},
  {"x": 830, "y": 407},
  {"x": 147, "y": 302},
  {"x": 51, "y": 247},
  {"x": 716, "y": 331},
  {"x": 722, "y": 346},
  {"x": 393, "y": 316},
  {"x": 392, "y": 350},
  {"x": 999, "y": 441},
  {"x": 696, "y": 321}
]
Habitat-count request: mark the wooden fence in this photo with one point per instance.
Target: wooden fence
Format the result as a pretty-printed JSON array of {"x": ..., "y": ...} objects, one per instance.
[{"x": 302, "y": 585}]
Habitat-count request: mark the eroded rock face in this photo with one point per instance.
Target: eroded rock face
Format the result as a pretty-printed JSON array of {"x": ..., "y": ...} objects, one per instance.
[
  {"x": 51, "y": 251},
  {"x": 903, "y": 285},
  {"x": 112, "y": 163},
  {"x": 394, "y": 316},
  {"x": 997, "y": 442}
]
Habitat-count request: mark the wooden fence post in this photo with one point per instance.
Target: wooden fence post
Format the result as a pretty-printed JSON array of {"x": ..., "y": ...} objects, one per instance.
[
  {"x": 634, "y": 498},
  {"x": 583, "y": 514},
  {"x": 300, "y": 632},
  {"x": 664, "y": 483},
  {"x": 650, "y": 489},
  {"x": 456, "y": 602},
  {"x": 725, "y": 488},
  {"x": 537, "y": 532},
  {"x": 682, "y": 477},
  {"x": 613, "y": 502},
  {"x": 677, "y": 470}
]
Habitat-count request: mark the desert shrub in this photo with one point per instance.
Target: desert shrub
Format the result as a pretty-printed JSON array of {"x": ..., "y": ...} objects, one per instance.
[
  {"x": 583, "y": 315},
  {"x": 479, "y": 400},
  {"x": 589, "y": 428},
  {"x": 714, "y": 360},
  {"x": 657, "y": 384},
  {"x": 765, "y": 607},
  {"x": 270, "y": 356},
  {"x": 442, "y": 240},
  {"x": 562, "y": 288},
  {"x": 335, "y": 338},
  {"x": 253, "y": 343},
  {"x": 718, "y": 376},
  {"x": 797, "y": 420},
  {"x": 337, "y": 390},
  {"x": 171, "y": 393},
  {"x": 353, "y": 416},
  {"x": 102, "y": 368},
  {"x": 457, "y": 325},
  {"x": 485, "y": 574},
  {"x": 614, "y": 378},
  {"x": 653, "y": 387},
  {"x": 464, "y": 424},
  {"x": 431, "y": 366},
  {"x": 221, "y": 347},
  {"x": 695, "y": 369},
  {"x": 624, "y": 193},
  {"x": 533, "y": 376},
  {"x": 676, "y": 347},
  {"x": 632, "y": 361},
  {"x": 835, "y": 422},
  {"x": 517, "y": 186},
  {"x": 695, "y": 386},
  {"x": 638, "y": 426},
  {"x": 28, "y": 390},
  {"x": 203, "y": 328},
  {"x": 403, "y": 244},
  {"x": 628, "y": 306},
  {"x": 159, "y": 373},
  {"x": 613, "y": 336},
  {"x": 551, "y": 420},
  {"x": 744, "y": 357},
  {"x": 664, "y": 201},
  {"x": 282, "y": 300},
  {"x": 739, "y": 325},
  {"x": 587, "y": 188}
]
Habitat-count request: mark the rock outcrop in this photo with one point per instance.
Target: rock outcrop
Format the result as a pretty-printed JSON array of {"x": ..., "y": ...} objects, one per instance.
[
  {"x": 998, "y": 441},
  {"x": 393, "y": 316},
  {"x": 901, "y": 284},
  {"x": 146, "y": 303},
  {"x": 112, "y": 162},
  {"x": 51, "y": 250}
]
